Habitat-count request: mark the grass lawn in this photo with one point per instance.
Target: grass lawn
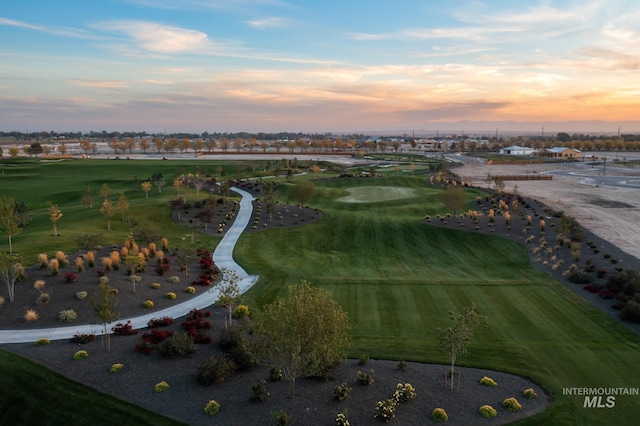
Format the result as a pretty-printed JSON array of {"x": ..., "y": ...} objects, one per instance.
[
  {"x": 398, "y": 278},
  {"x": 395, "y": 276}
]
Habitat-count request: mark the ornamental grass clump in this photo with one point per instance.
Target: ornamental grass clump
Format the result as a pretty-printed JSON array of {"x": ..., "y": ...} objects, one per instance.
[
  {"x": 67, "y": 315},
  {"x": 81, "y": 355},
  {"x": 487, "y": 411},
  {"x": 30, "y": 315},
  {"x": 212, "y": 407},
  {"x": 529, "y": 393},
  {"x": 488, "y": 381},
  {"x": 439, "y": 415},
  {"x": 161, "y": 387},
  {"x": 512, "y": 404}
]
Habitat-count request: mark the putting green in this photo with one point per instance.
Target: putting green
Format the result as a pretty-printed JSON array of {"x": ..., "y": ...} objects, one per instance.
[{"x": 375, "y": 194}]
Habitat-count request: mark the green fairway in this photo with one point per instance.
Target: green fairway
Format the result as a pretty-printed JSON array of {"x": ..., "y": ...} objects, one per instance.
[{"x": 396, "y": 276}]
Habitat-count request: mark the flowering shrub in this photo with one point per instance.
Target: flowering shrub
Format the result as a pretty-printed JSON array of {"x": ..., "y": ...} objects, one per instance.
[
  {"x": 341, "y": 420},
  {"x": 529, "y": 393},
  {"x": 512, "y": 404},
  {"x": 161, "y": 387},
  {"x": 82, "y": 338},
  {"x": 155, "y": 286},
  {"x": 487, "y": 411},
  {"x": 439, "y": 415},
  {"x": 160, "y": 322},
  {"x": 156, "y": 335},
  {"x": 341, "y": 392},
  {"x": 115, "y": 368},
  {"x": 80, "y": 355},
  {"x": 212, "y": 407},
  {"x": 241, "y": 311},
  {"x": 71, "y": 277},
  {"x": 275, "y": 373},
  {"x": 81, "y": 295},
  {"x": 148, "y": 304},
  {"x": 43, "y": 342},
  {"x": 174, "y": 279},
  {"x": 385, "y": 410},
  {"x": 67, "y": 315},
  {"x": 171, "y": 295},
  {"x": 190, "y": 290},
  {"x": 364, "y": 378},
  {"x": 488, "y": 381},
  {"x": 144, "y": 347},
  {"x": 404, "y": 393},
  {"x": 126, "y": 329}
]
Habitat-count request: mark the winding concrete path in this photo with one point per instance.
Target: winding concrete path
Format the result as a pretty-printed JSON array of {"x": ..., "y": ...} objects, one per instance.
[{"x": 223, "y": 257}]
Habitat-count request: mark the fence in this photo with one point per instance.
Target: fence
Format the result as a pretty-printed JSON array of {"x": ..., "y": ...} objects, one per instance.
[{"x": 520, "y": 177}]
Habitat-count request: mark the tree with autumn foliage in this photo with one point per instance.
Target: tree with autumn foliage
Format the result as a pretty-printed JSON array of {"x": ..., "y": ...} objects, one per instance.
[{"x": 54, "y": 215}]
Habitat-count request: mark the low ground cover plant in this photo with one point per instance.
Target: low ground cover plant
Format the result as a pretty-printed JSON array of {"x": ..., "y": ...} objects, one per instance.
[
  {"x": 488, "y": 381},
  {"x": 439, "y": 415},
  {"x": 487, "y": 411},
  {"x": 512, "y": 404}
]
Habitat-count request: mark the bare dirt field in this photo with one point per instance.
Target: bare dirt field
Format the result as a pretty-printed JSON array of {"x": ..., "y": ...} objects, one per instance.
[{"x": 610, "y": 212}]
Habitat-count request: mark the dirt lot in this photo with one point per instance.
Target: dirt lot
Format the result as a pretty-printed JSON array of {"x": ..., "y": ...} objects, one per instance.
[{"x": 612, "y": 213}]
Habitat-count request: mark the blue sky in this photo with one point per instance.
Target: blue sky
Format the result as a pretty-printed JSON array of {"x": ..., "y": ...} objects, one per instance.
[{"x": 272, "y": 65}]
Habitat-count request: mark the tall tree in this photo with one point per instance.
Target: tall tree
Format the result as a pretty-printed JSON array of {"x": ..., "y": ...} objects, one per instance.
[
  {"x": 108, "y": 210},
  {"x": 454, "y": 340},
  {"x": 303, "y": 192},
  {"x": 104, "y": 305},
  {"x": 453, "y": 198},
  {"x": 123, "y": 204},
  {"x": 11, "y": 270},
  {"x": 54, "y": 215},
  {"x": 306, "y": 332},
  {"x": 9, "y": 220}
]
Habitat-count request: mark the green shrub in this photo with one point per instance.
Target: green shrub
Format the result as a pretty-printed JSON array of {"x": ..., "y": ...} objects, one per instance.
[
  {"x": 81, "y": 354},
  {"x": 578, "y": 277},
  {"x": 190, "y": 290},
  {"x": 171, "y": 295},
  {"x": 259, "y": 391},
  {"x": 275, "y": 373},
  {"x": 115, "y": 368},
  {"x": 402, "y": 364},
  {"x": 512, "y": 404},
  {"x": 487, "y": 411},
  {"x": 180, "y": 345},
  {"x": 630, "y": 311},
  {"x": 439, "y": 415},
  {"x": 43, "y": 342},
  {"x": 212, "y": 407},
  {"x": 404, "y": 393},
  {"x": 488, "y": 381},
  {"x": 67, "y": 315},
  {"x": 529, "y": 393},
  {"x": 364, "y": 359},
  {"x": 242, "y": 311},
  {"x": 215, "y": 370},
  {"x": 161, "y": 387},
  {"x": 155, "y": 286},
  {"x": 341, "y": 392},
  {"x": 282, "y": 418},
  {"x": 385, "y": 410},
  {"x": 148, "y": 304},
  {"x": 364, "y": 378}
]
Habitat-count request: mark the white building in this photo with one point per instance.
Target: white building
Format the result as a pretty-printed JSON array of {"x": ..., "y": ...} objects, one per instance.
[{"x": 517, "y": 150}]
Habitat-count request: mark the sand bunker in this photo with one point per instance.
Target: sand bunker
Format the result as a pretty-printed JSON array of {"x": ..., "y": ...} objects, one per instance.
[{"x": 376, "y": 194}]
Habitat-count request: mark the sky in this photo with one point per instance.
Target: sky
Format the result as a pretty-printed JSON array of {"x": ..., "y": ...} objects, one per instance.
[{"x": 319, "y": 66}]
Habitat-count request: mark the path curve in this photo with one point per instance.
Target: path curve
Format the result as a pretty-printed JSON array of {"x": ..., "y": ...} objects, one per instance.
[{"x": 222, "y": 256}]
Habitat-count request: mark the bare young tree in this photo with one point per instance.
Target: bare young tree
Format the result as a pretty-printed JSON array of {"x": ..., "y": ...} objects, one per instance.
[
  {"x": 9, "y": 220},
  {"x": 11, "y": 270}
]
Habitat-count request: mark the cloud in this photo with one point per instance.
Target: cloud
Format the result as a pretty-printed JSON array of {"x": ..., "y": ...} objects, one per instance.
[
  {"x": 161, "y": 38},
  {"x": 272, "y": 22},
  {"x": 64, "y": 32},
  {"x": 102, "y": 84}
]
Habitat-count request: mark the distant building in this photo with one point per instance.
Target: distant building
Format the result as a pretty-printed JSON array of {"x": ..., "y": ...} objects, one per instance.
[
  {"x": 560, "y": 152},
  {"x": 517, "y": 150}
]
